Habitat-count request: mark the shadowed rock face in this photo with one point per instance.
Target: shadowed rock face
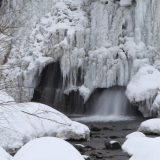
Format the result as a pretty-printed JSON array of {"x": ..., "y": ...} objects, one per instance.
[{"x": 50, "y": 91}]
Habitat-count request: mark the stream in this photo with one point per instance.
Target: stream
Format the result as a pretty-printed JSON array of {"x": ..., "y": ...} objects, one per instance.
[{"x": 107, "y": 131}]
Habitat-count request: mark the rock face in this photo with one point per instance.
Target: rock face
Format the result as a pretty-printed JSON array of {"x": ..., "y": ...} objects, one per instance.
[{"x": 109, "y": 41}]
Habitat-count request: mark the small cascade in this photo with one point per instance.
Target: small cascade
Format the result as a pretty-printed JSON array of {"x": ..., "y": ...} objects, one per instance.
[{"x": 109, "y": 102}]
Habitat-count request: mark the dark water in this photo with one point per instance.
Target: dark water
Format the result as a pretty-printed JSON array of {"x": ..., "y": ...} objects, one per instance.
[{"x": 107, "y": 131}]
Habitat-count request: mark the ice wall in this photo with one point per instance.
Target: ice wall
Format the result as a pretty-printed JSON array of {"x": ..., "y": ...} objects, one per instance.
[{"x": 109, "y": 41}]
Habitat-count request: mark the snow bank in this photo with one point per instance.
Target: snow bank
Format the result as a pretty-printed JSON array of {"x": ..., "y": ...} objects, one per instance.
[
  {"x": 150, "y": 126},
  {"x": 143, "y": 88},
  {"x": 4, "y": 155},
  {"x": 141, "y": 147},
  {"x": 25, "y": 121},
  {"x": 48, "y": 148}
]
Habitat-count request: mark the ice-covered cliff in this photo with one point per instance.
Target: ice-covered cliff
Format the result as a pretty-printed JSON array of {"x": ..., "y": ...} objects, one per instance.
[{"x": 108, "y": 40}]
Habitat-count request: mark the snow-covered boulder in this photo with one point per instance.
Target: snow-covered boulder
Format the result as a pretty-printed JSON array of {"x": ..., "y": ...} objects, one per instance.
[
  {"x": 143, "y": 88},
  {"x": 23, "y": 122},
  {"x": 135, "y": 134},
  {"x": 48, "y": 149},
  {"x": 140, "y": 148},
  {"x": 4, "y": 155},
  {"x": 150, "y": 126}
]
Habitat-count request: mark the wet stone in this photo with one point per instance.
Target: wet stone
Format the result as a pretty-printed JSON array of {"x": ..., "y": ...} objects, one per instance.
[{"x": 112, "y": 145}]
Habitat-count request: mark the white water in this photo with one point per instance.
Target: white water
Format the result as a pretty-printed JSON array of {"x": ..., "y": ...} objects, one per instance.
[
  {"x": 104, "y": 118},
  {"x": 108, "y": 105},
  {"x": 111, "y": 102}
]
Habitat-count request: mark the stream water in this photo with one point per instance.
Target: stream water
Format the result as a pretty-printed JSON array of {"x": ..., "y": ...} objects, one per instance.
[{"x": 107, "y": 131}]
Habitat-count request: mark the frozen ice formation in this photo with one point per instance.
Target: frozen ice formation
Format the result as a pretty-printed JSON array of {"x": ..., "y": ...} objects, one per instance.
[{"x": 110, "y": 41}]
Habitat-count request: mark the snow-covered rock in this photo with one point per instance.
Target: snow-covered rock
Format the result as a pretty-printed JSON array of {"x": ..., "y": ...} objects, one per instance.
[
  {"x": 4, "y": 155},
  {"x": 135, "y": 134},
  {"x": 23, "y": 122},
  {"x": 5, "y": 98},
  {"x": 143, "y": 88},
  {"x": 48, "y": 148},
  {"x": 126, "y": 3},
  {"x": 142, "y": 148},
  {"x": 150, "y": 126}
]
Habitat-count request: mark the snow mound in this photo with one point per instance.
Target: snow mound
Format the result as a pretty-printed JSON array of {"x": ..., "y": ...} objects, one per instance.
[
  {"x": 143, "y": 88},
  {"x": 140, "y": 148},
  {"x": 135, "y": 134},
  {"x": 48, "y": 148},
  {"x": 4, "y": 155},
  {"x": 150, "y": 126},
  {"x": 23, "y": 122}
]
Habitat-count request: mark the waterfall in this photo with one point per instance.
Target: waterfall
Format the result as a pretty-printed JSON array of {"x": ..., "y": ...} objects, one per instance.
[
  {"x": 111, "y": 101},
  {"x": 108, "y": 105},
  {"x": 103, "y": 103}
]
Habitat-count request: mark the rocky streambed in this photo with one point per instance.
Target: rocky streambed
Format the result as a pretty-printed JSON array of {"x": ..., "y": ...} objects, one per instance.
[{"x": 101, "y": 134}]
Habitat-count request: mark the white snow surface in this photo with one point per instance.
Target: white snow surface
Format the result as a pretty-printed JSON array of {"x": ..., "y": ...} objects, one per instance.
[
  {"x": 126, "y": 3},
  {"x": 150, "y": 126},
  {"x": 5, "y": 98},
  {"x": 23, "y": 122},
  {"x": 144, "y": 88},
  {"x": 48, "y": 148},
  {"x": 141, "y": 147},
  {"x": 135, "y": 134},
  {"x": 4, "y": 155}
]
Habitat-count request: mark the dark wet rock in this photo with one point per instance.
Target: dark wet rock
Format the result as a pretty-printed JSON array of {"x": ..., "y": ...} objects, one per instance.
[
  {"x": 113, "y": 137},
  {"x": 112, "y": 145},
  {"x": 89, "y": 147},
  {"x": 126, "y": 129},
  {"x": 107, "y": 128},
  {"x": 99, "y": 156},
  {"x": 86, "y": 157},
  {"x": 80, "y": 147},
  {"x": 95, "y": 128}
]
